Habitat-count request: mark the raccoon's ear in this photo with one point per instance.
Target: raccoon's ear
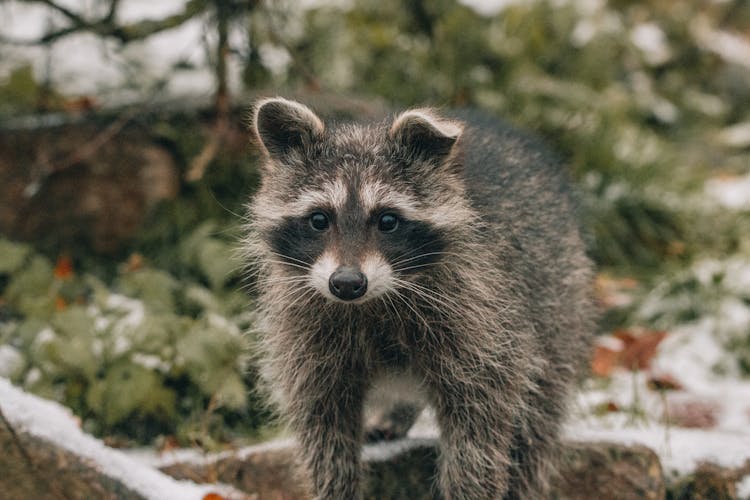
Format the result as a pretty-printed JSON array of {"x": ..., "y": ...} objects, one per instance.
[
  {"x": 425, "y": 135},
  {"x": 283, "y": 127}
]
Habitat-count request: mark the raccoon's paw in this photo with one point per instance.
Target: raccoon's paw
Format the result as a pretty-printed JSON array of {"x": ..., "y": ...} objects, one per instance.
[{"x": 392, "y": 424}]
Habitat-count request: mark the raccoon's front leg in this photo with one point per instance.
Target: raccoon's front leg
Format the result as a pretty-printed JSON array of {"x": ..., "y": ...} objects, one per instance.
[
  {"x": 326, "y": 415},
  {"x": 474, "y": 407}
]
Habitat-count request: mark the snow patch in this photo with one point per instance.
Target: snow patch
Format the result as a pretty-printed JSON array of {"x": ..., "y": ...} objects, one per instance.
[
  {"x": 680, "y": 450},
  {"x": 736, "y": 136},
  {"x": 11, "y": 361},
  {"x": 50, "y": 421},
  {"x": 732, "y": 48},
  {"x": 733, "y": 193},
  {"x": 384, "y": 451},
  {"x": 650, "y": 39},
  {"x": 490, "y": 7},
  {"x": 197, "y": 457},
  {"x": 743, "y": 488}
]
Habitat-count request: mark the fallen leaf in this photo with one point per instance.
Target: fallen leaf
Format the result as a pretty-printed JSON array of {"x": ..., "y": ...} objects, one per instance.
[
  {"x": 604, "y": 361},
  {"x": 640, "y": 348},
  {"x": 213, "y": 496},
  {"x": 663, "y": 382},
  {"x": 169, "y": 443},
  {"x": 693, "y": 413},
  {"x": 606, "y": 407},
  {"x": 135, "y": 262},
  {"x": 64, "y": 268},
  {"x": 60, "y": 304}
]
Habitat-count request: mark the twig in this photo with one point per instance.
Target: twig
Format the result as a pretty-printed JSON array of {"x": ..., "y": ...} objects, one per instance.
[
  {"x": 17, "y": 441},
  {"x": 106, "y": 27},
  {"x": 200, "y": 163},
  {"x": 311, "y": 79},
  {"x": 52, "y": 487}
]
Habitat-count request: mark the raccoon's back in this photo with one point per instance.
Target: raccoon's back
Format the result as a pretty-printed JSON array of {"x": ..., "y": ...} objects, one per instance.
[{"x": 530, "y": 220}]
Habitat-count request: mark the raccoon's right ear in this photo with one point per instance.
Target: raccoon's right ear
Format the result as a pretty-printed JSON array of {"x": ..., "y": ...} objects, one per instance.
[
  {"x": 284, "y": 127},
  {"x": 425, "y": 135}
]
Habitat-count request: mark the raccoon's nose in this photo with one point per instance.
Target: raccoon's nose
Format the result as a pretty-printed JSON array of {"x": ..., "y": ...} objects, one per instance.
[{"x": 347, "y": 283}]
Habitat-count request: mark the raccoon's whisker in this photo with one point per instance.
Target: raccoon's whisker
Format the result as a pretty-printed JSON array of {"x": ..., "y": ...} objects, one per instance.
[
  {"x": 415, "y": 311},
  {"x": 283, "y": 279},
  {"x": 404, "y": 257},
  {"x": 287, "y": 257},
  {"x": 292, "y": 264},
  {"x": 432, "y": 297},
  {"x": 428, "y": 264},
  {"x": 428, "y": 254},
  {"x": 391, "y": 309},
  {"x": 305, "y": 295}
]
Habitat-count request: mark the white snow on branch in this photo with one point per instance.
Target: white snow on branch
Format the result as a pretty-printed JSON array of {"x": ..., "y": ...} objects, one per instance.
[{"x": 54, "y": 423}]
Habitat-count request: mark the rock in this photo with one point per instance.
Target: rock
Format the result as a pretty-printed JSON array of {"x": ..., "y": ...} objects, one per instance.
[
  {"x": 709, "y": 482},
  {"x": 267, "y": 470},
  {"x": 34, "y": 468},
  {"x": 609, "y": 470},
  {"x": 405, "y": 469},
  {"x": 45, "y": 455}
]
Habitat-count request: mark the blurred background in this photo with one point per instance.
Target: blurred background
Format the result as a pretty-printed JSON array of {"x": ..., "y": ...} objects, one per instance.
[{"x": 125, "y": 164}]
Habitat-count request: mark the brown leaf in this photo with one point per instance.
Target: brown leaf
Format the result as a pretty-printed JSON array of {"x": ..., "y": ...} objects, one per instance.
[
  {"x": 639, "y": 349},
  {"x": 606, "y": 407},
  {"x": 64, "y": 267},
  {"x": 60, "y": 304},
  {"x": 135, "y": 262},
  {"x": 663, "y": 382},
  {"x": 604, "y": 361},
  {"x": 169, "y": 443},
  {"x": 693, "y": 413}
]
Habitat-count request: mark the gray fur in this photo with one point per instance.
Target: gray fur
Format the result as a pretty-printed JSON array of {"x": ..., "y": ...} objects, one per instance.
[{"x": 493, "y": 330}]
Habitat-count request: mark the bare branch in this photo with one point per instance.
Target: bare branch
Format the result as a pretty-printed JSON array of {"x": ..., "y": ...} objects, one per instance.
[
  {"x": 106, "y": 26},
  {"x": 146, "y": 28},
  {"x": 113, "y": 5},
  {"x": 75, "y": 18}
]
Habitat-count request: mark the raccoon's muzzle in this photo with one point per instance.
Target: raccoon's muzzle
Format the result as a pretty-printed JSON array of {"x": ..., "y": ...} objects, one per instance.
[{"x": 347, "y": 283}]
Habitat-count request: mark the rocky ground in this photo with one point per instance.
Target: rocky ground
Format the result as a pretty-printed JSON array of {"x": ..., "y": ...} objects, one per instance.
[{"x": 46, "y": 454}]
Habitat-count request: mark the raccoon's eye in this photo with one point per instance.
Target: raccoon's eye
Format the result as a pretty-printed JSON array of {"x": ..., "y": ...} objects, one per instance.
[
  {"x": 319, "y": 221},
  {"x": 388, "y": 223}
]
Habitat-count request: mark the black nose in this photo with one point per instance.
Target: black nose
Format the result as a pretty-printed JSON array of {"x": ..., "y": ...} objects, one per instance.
[{"x": 347, "y": 283}]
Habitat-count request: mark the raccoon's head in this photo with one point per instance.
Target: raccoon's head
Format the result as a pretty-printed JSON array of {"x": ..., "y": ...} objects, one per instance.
[{"x": 353, "y": 211}]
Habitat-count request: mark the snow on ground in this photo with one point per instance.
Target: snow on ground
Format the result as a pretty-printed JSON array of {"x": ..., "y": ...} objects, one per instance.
[
  {"x": 733, "y": 192},
  {"x": 743, "y": 488},
  {"x": 680, "y": 450},
  {"x": 55, "y": 423},
  {"x": 710, "y": 412},
  {"x": 706, "y": 418}
]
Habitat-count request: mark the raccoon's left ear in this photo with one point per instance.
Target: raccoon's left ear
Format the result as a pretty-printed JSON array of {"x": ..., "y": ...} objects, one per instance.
[
  {"x": 425, "y": 135},
  {"x": 285, "y": 127}
]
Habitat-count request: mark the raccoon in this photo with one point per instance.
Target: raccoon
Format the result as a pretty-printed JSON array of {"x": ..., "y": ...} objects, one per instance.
[{"x": 433, "y": 258}]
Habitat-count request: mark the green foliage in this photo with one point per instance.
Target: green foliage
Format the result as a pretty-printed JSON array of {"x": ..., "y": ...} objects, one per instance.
[
  {"x": 147, "y": 355},
  {"x": 20, "y": 91}
]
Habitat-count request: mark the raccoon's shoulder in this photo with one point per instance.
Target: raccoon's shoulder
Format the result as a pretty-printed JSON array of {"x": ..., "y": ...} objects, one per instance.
[
  {"x": 496, "y": 152},
  {"x": 505, "y": 166}
]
